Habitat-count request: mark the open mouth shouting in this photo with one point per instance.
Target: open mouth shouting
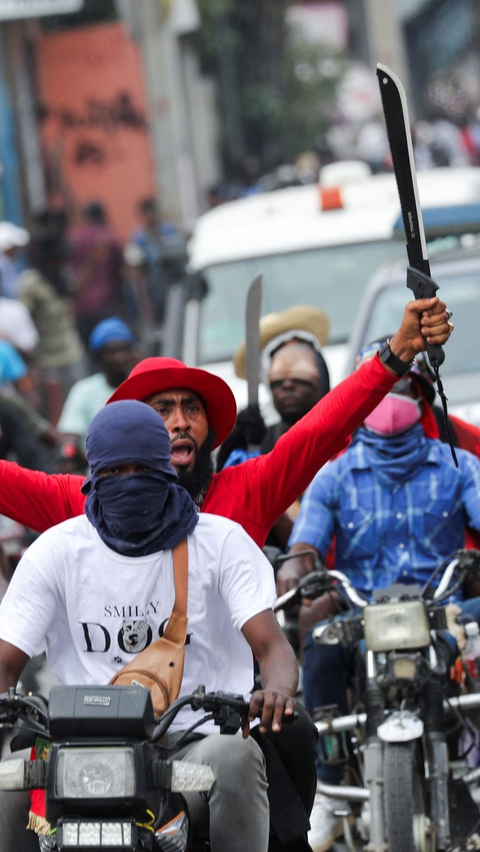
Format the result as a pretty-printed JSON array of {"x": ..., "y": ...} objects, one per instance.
[{"x": 184, "y": 452}]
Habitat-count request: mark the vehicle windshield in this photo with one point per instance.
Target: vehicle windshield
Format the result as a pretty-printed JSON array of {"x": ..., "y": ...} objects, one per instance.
[
  {"x": 461, "y": 292},
  {"x": 332, "y": 279}
]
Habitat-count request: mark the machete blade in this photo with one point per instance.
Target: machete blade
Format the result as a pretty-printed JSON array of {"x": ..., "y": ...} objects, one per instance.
[
  {"x": 398, "y": 129},
  {"x": 252, "y": 337},
  {"x": 418, "y": 274}
]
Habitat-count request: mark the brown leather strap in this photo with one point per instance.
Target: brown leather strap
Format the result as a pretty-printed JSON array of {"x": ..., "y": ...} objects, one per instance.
[
  {"x": 176, "y": 630},
  {"x": 180, "y": 577}
]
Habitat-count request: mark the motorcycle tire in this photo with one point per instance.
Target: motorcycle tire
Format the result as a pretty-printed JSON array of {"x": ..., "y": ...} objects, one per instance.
[{"x": 404, "y": 794}]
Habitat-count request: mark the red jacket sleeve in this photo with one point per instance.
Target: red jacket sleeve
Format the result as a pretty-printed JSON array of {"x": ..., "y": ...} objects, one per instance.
[
  {"x": 468, "y": 436},
  {"x": 272, "y": 482},
  {"x": 39, "y": 500}
]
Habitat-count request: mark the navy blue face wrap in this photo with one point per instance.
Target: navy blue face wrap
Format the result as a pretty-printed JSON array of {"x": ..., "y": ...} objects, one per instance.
[{"x": 138, "y": 513}]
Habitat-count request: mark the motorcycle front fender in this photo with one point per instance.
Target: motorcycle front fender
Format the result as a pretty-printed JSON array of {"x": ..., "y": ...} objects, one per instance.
[{"x": 400, "y": 727}]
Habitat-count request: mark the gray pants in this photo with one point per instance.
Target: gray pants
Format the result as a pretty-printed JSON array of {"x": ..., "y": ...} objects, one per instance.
[
  {"x": 235, "y": 812},
  {"x": 14, "y": 808},
  {"x": 14, "y": 836}
]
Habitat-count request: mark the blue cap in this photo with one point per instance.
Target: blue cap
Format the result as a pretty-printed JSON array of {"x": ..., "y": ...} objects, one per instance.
[
  {"x": 12, "y": 365},
  {"x": 128, "y": 431},
  {"x": 108, "y": 330}
]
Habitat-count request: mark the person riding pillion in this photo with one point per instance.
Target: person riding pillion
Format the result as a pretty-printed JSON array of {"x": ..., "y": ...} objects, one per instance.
[{"x": 199, "y": 411}]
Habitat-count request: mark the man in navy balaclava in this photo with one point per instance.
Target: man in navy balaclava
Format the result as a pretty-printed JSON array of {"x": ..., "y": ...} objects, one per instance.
[{"x": 99, "y": 588}]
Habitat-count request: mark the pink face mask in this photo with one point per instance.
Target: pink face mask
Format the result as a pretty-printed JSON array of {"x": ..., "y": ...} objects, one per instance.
[{"x": 395, "y": 414}]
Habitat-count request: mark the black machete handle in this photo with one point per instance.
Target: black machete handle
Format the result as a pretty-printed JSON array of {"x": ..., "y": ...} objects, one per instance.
[{"x": 424, "y": 287}]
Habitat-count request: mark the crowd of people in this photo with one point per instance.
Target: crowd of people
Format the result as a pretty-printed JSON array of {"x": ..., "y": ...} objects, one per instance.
[
  {"x": 438, "y": 141},
  {"x": 144, "y": 431},
  {"x": 59, "y": 283}
]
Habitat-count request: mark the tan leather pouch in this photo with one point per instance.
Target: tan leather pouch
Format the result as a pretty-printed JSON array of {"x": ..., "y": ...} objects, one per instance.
[{"x": 159, "y": 667}]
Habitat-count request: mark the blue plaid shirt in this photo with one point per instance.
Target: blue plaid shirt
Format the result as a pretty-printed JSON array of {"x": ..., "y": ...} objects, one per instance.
[{"x": 386, "y": 536}]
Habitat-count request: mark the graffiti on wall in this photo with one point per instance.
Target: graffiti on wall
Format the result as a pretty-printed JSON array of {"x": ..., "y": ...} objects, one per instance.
[
  {"x": 93, "y": 119},
  {"x": 108, "y": 116}
]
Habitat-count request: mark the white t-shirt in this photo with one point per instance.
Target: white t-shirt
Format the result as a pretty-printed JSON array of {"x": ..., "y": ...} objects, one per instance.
[
  {"x": 84, "y": 401},
  {"x": 16, "y": 325},
  {"x": 93, "y": 608}
]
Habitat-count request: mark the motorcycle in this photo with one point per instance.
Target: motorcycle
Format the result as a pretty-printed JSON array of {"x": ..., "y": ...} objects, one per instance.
[
  {"x": 110, "y": 779},
  {"x": 406, "y": 711}
]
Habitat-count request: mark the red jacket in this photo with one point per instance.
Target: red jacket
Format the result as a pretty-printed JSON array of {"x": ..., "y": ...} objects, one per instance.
[
  {"x": 468, "y": 438},
  {"x": 254, "y": 493}
]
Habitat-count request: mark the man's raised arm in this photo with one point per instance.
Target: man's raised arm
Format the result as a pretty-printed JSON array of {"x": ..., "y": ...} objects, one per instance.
[{"x": 277, "y": 479}]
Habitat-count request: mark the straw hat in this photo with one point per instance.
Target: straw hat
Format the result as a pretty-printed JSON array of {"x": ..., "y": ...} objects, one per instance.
[{"x": 312, "y": 321}]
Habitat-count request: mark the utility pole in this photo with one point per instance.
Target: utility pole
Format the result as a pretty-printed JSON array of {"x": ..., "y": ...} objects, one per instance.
[
  {"x": 25, "y": 108},
  {"x": 158, "y": 28}
]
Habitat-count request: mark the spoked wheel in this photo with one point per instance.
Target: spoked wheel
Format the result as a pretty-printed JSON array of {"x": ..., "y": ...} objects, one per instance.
[{"x": 408, "y": 826}]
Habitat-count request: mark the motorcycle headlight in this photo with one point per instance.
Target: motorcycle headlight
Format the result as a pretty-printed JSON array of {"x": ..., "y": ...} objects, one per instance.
[
  {"x": 89, "y": 833},
  {"x": 396, "y": 626},
  {"x": 95, "y": 773}
]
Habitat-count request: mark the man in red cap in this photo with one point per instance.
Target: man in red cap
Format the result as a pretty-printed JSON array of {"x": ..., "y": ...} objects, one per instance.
[{"x": 199, "y": 411}]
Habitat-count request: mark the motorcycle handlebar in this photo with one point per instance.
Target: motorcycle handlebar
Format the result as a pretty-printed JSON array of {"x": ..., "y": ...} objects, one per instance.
[
  {"x": 315, "y": 584},
  {"x": 311, "y": 586},
  {"x": 15, "y": 706},
  {"x": 464, "y": 560},
  {"x": 321, "y": 580},
  {"x": 355, "y": 597},
  {"x": 213, "y": 703},
  {"x": 33, "y": 709}
]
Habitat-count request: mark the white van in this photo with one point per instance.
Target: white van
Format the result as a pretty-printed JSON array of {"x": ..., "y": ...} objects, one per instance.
[
  {"x": 315, "y": 245},
  {"x": 457, "y": 272}
]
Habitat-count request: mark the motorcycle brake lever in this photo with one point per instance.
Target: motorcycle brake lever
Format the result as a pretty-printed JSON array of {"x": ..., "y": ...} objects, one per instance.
[
  {"x": 315, "y": 588},
  {"x": 227, "y": 709},
  {"x": 311, "y": 586}
]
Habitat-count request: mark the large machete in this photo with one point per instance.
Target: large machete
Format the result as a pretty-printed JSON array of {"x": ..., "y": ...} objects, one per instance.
[
  {"x": 395, "y": 109},
  {"x": 399, "y": 136},
  {"x": 252, "y": 338}
]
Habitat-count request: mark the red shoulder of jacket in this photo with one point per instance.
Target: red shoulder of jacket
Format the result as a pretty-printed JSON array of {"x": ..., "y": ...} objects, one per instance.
[
  {"x": 256, "y": 492},
  {"x": 39, "y": 500},
  {"x": 468, "y": 436}
]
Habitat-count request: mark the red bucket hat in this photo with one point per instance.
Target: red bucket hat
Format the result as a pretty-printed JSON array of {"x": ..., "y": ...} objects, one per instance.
[{"x": 154, "y": 375}]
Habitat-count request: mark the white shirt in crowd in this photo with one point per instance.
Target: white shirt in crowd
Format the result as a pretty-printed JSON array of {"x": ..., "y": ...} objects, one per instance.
[
  {"x": 93, "y": 609},
  {"x": 16, "y": 325},
  {"x": 84, "y": 401}
]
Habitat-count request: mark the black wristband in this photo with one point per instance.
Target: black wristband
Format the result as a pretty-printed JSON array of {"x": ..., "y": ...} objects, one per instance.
[{"x": 396, "y": 364}]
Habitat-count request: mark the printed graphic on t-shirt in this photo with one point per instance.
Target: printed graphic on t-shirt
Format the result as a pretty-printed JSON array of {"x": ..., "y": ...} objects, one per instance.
[
  {"x": 134, "y": 635},
  {"x": 136, "y": 632}
]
